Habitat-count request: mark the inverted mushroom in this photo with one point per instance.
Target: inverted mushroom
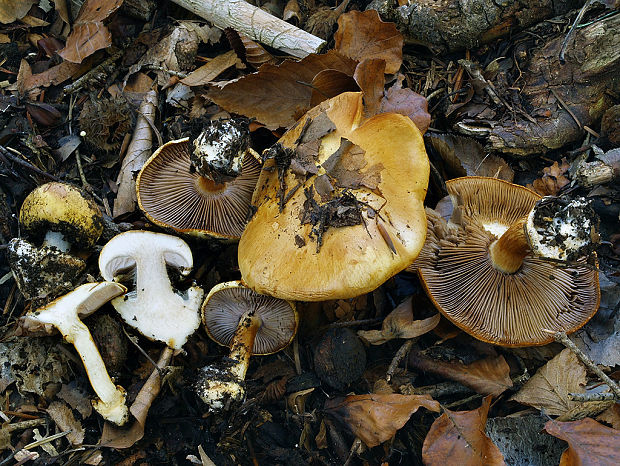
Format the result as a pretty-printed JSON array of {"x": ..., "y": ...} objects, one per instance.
[
  {"x": 339, "y": 205},
  {"x": 64, "y": 314},
  {"x": 173, "y": 194},
  {"x": 249, "y": 324},
  {"x": 508, "y": 268},
  {"x": 153, "y": 308}
]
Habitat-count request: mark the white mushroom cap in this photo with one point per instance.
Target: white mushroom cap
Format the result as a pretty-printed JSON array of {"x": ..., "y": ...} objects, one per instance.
[
  {"x": 154, "y": 308},
  {"x": 63, "y": 313}
]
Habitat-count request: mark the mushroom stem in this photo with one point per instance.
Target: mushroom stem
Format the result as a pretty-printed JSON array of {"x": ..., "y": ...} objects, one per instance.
[
  {"x": 508, "y": 251},
  {"x": 242, "y": 343}
]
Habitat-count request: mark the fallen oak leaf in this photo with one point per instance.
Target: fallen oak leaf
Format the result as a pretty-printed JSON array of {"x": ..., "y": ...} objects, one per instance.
[
  {"x": 458, "y": 437},
  {"x": 363, "y": 35},
  {"x": 400, "y": 324},
  {"x": 589, "y": 443},
  {"x": 375, "y": 418},
  {"x": 89, "y": 33},
  {"x": 488, "y": 376},
  {"x": 548, "y": 389}
]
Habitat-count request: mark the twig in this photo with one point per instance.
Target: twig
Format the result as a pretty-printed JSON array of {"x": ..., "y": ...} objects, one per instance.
[
  {"x": 562, "y": 338},
  {"x": 5, "y": 154},
  {"x": 353, "y": 323},
  {"x": 594, "y": 397},
  {"x": 134, "y": 341},
  {"x": 91, "y": 75},
  {"x": 463, "y": 401},
  {"x": 398, "y": 357},
  {"x": 178, "y": 74},
  {"x": 566, "y": 107},
  {"x": 573, "y": 30}
]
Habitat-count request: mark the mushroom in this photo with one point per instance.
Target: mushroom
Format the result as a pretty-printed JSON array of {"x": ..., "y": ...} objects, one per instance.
[
  {"x": 64, "y": 313},
  {"x": 153, "y": 308},
  {"x": 508, "y": 267},
  {"x": 249, "y": 324},
  {"x": 58, "y": 217},
  {"x": 174, "y": 195},
  {"x": 339, "y": 205}
]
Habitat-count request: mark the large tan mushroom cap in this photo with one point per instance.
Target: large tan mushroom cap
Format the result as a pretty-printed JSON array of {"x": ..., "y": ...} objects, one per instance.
[
  {"x": 63, "y": 208},
  {"x": 380, "y": 163},
  {"x": 174, "y": 196},
  {"x": 507, "y": 309}
]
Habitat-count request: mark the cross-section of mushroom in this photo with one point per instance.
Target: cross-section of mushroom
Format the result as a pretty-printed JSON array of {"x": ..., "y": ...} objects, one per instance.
[
  {"x": 64, "y": 314},
  {"x": 153, "y": 308},
  {"x": 248, "y": 323},
  {"x": 509, "y": 267}
]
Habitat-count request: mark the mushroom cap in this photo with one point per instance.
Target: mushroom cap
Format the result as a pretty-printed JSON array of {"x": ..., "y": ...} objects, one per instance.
[
  {"x": 64, "y": 208},
  {"x": 376, "y": 169},
  {"x": 227, "y": 302},
  {"x": 175, "y": 196},
  {"x": 515, "y": 309}
]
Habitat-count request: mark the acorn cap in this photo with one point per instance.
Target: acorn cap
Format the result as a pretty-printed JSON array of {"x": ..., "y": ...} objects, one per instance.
[
  {"x": 509, "y": 309},
  {"x": 63, "y": 208},
  {"x": 227, "y": 302},
  {"x": 345, "y": 214},
  {"x": 175, "y": 196}
]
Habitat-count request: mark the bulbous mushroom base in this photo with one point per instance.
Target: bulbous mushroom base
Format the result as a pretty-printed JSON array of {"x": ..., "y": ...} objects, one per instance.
[
  {"x": 116, "y": 410},
  {"x": 219, "y": 389}
]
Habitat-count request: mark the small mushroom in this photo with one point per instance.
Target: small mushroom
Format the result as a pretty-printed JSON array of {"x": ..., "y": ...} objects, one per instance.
[
  {"x": 508, "y": 267},
  {"x": 57, "y": 220},
  {"x": 154, "y": 307},
  {"x": 64, "y": 314},
  {"x": 174, "y": 195},
  {"x": 339, "y": 205},
  {"x": 249, "y": 324}
]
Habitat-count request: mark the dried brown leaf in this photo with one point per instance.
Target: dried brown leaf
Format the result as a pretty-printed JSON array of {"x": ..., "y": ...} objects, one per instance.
[
  {"x": 76, "y": 398},
  {"x": 548, "y": 389},
  {"x": 370, "y": 77},
  {"x": 63, "y": 10},
  {"x": 489, "y": 376},
  {"x": 400, "y": 324},
  {"x": 278, "y": 95},
  {"x": 138, "y": 152},
  {"x": 589, "y": 443},
  {"x": 553, "y": 179},
  {"x": 329, "y": 83},
  {"x": 466, "y": 157},
  {"x": 211, "y": 70},
  {"x": 363, "y": 35},
  {"x": 43, "y": 113},
  {"x": 63, "y": 417},
  {"x": 89, "y": 34},
  {"x": 375, "y": 418},
  {"x": 611, "y": 416},
  {"x": 27, "y": 82},
  {"x": 458, "y": 437},
  {"x": 408, "y": 103},
  {"x": 11, "y": 10}
]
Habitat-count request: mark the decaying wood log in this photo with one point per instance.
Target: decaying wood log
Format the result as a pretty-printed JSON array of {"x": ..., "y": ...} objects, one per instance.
[
  {"x": 575, "y": 94},
  {"x": 451, "y": 25},
  {"x": 255, "y": 23}
]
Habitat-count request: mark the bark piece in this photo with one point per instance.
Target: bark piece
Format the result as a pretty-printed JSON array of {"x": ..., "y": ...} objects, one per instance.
[
  {"x": 455, "y": 25},
  {"x": 255, "y": 23}
]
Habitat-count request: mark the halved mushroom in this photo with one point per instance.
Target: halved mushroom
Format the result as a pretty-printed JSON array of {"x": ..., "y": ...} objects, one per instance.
[
  {"x": 249, "y": 324},
  {"x": 153, "y": 308},
  {"x": 174, "y": 195},
  {"x": 64, "y": 314},
  {"x": 481, "y": 273},
  {"x": 339, "y": 205}
]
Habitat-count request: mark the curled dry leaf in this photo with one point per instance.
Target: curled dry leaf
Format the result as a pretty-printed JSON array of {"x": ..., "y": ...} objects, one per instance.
[
  {"x": 611, "y": 416},
  {"x": 548, "y": 389},
  {"x": 89, "y": 34},
  {"x": 553, "y": 179},
  {"x": 138, "y": 152},
  {"x": 589, "y": 443},
  {"x": 408, "y": 103},
  {"x": 211, "y": 70},
  {"x": 363, "y": 35},
  {"x": 28, "y": 82},
  {"x": 247, "y": 50},
  {"x": 329, "y": 83},
  {"x": 62, "y": 415},
  {"x": 466, "y": 157},
  {"x": 370, "y": 77},
  {"x": 278, "y": 95},
  {"x": 400, "y": 324},
  {"x": 489, "y": 376},
  {"x": 458, "y": 437},
  {"x": 375, "y": 418}
]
